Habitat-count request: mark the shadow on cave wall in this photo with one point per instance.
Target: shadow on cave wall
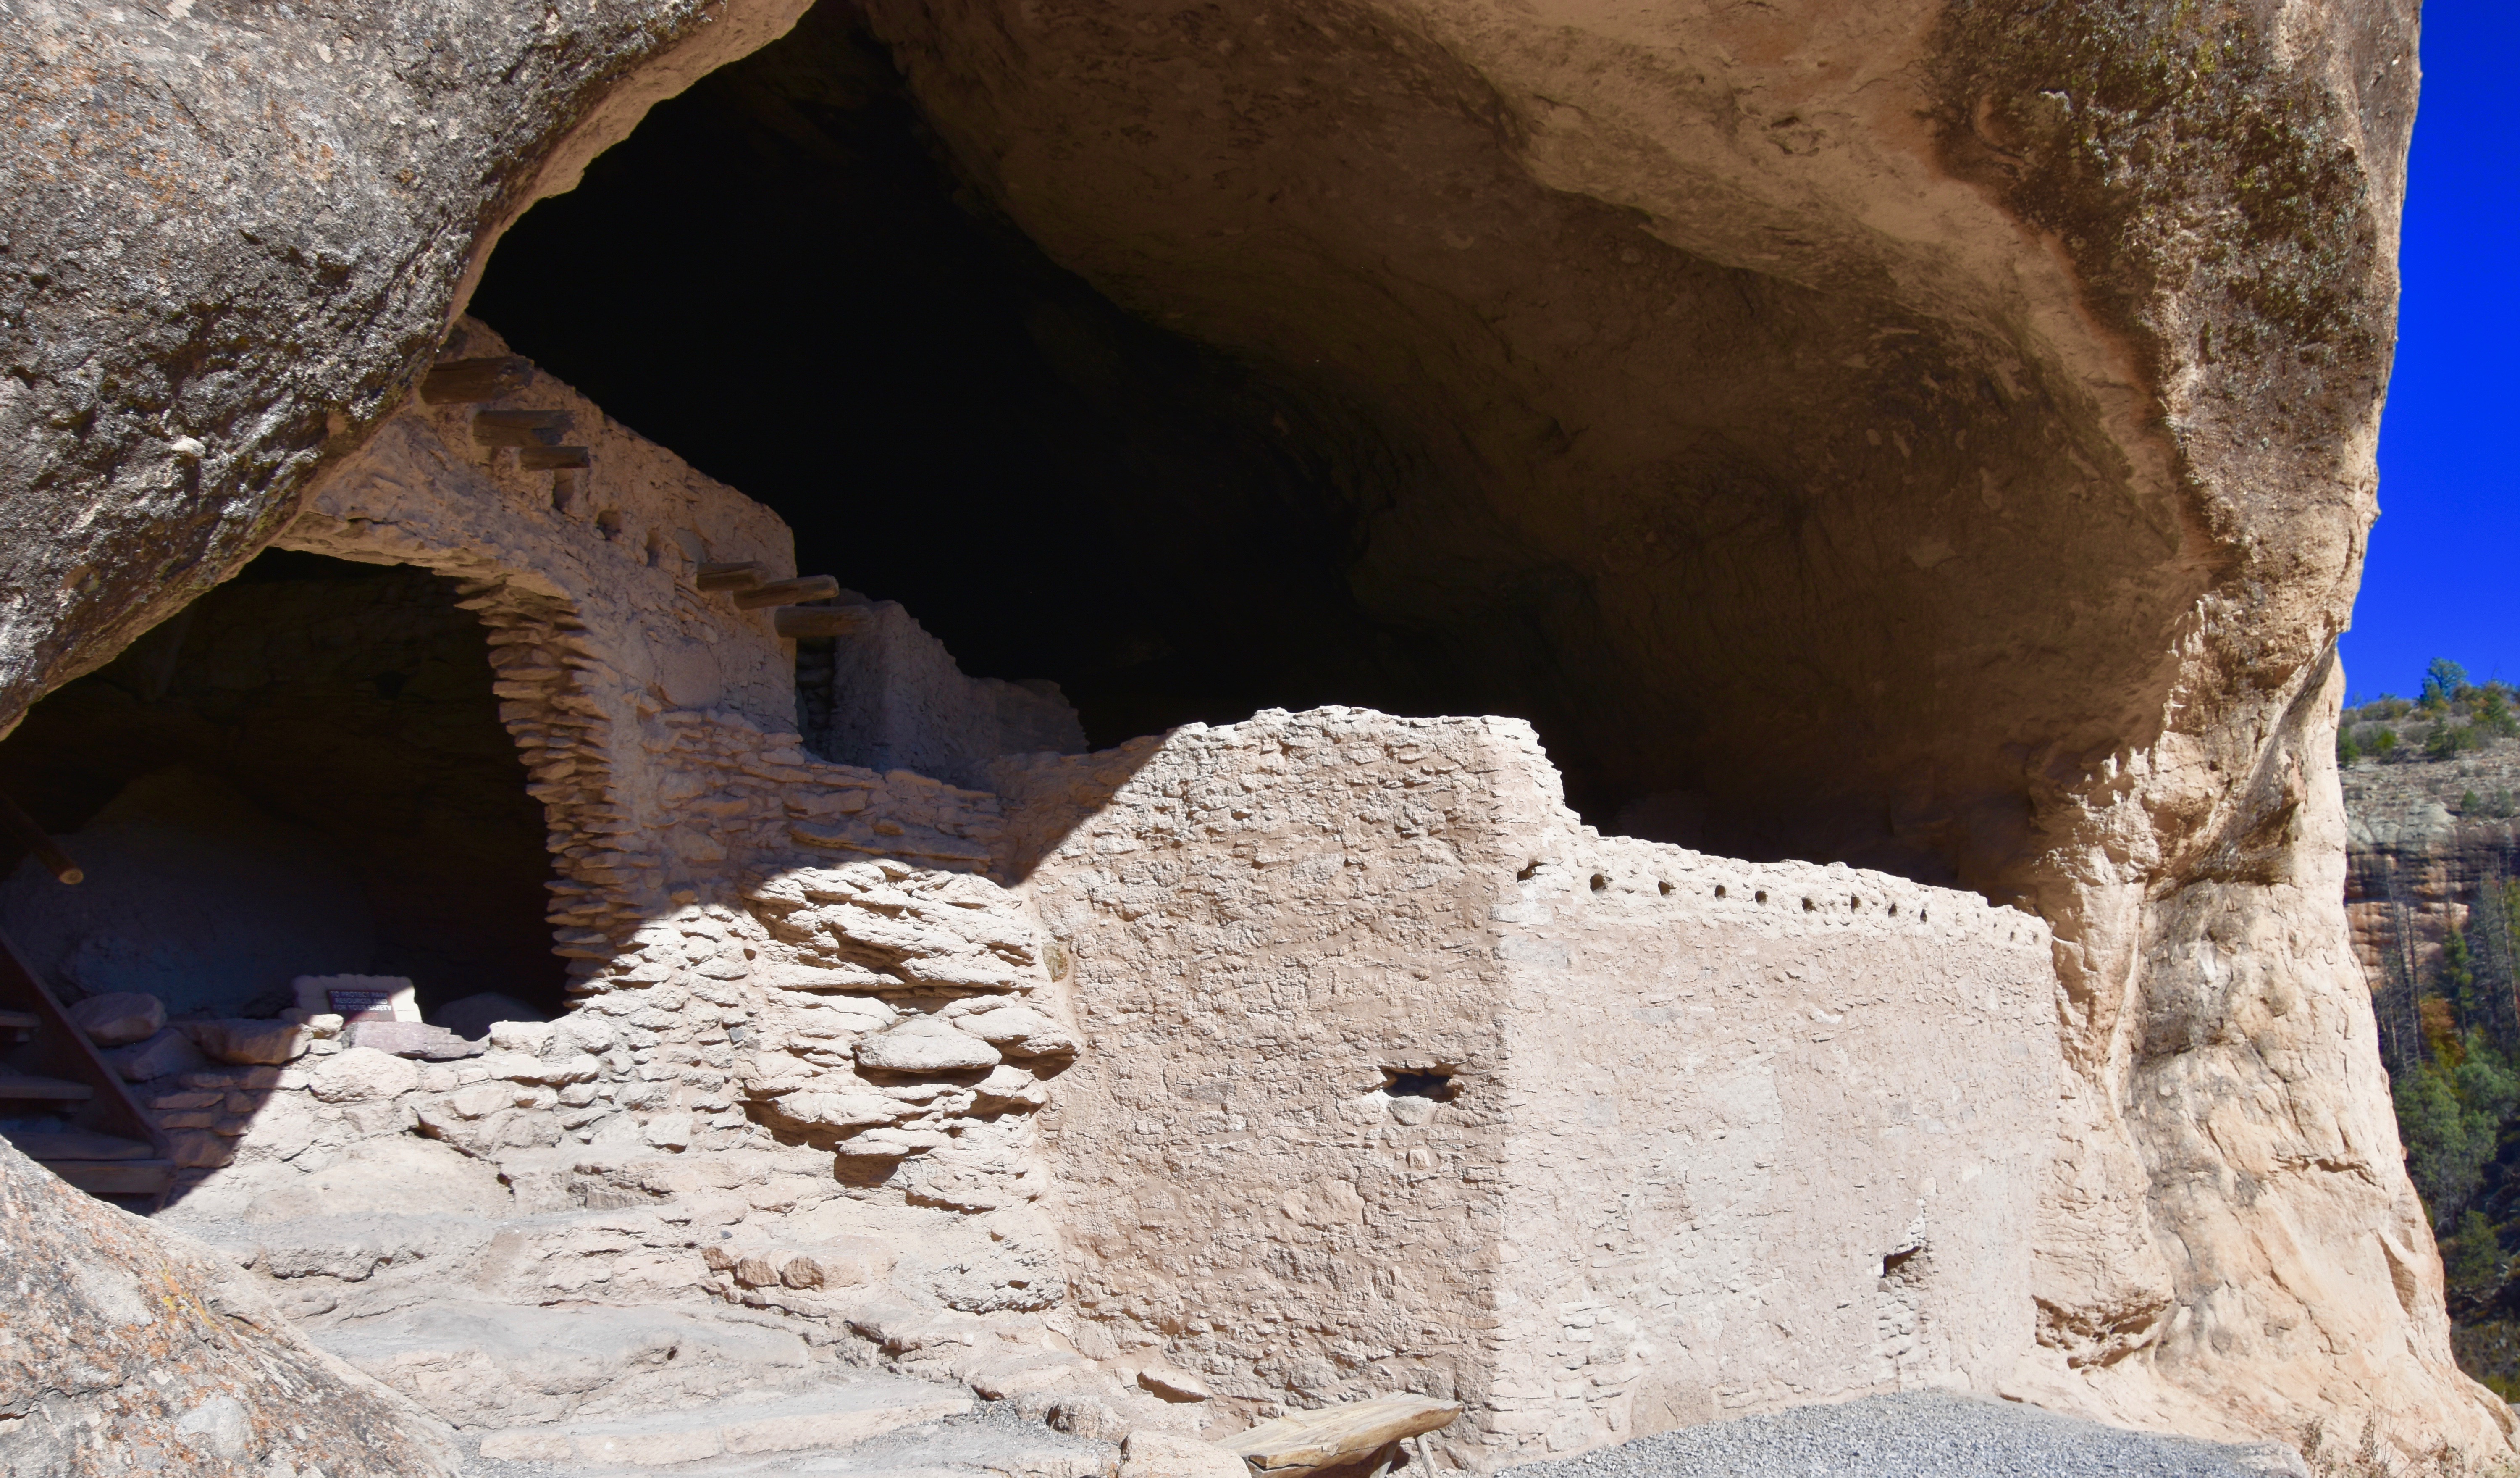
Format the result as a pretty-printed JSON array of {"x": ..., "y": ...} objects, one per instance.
[
  {"x": 778, "y": 278},
  {"x": 1773, "y": 570}
]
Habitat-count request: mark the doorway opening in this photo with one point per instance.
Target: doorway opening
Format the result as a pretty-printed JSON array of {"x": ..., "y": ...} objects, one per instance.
[{"x": 302, "y": 774}]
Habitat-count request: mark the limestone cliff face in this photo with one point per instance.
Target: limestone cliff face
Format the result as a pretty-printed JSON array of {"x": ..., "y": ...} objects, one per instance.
[
  {"x": 2005, "y": 376},
  {"x": 2415, "y": 839}
]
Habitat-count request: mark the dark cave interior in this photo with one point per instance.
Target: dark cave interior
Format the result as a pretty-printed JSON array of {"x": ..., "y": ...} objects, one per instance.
[
  {"x": 945, "y": 417},
  {"x": 303, "y": 772},
  {"x": 1773, "y": 570}
]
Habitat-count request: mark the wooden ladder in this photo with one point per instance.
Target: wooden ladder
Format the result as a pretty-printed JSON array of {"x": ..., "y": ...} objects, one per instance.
[{"x": 63, "y": 1105}]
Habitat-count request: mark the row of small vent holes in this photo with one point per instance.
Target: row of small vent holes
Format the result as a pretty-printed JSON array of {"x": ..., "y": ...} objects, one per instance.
[{"x": 1602, "y": 884}]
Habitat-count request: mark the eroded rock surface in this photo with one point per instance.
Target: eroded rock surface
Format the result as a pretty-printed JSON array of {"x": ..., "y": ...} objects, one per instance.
[
  {"x": 130, "y": 1349},
  {"x": 233, "y": 234}
]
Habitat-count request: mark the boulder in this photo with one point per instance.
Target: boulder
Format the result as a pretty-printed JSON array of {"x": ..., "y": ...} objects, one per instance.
[
  {"x": 146, "y": 1351},
  {"x": 924, "y": 1044},
  {"x": 250, "y": 1044},
  {"x": 170, "y": 1051},
  {"x": 119, "y": 1018},
  {"x": 362, "y": 1075}
]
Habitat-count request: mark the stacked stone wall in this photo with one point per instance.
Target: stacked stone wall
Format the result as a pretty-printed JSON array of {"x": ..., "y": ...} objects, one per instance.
[{"x": 775, "y": 960}]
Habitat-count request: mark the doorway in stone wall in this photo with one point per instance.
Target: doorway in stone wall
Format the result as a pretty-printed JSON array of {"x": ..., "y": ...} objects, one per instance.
[{"x": 303, "y": 773}]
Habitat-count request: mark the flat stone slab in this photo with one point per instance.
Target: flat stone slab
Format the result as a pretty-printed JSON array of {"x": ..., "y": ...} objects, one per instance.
[
  {"x": 502, "y": 1368},
  {"x": 833, "y": 1417}
]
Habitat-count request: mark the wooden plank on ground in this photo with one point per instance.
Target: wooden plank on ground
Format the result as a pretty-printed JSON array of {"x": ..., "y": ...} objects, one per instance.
[{"x": 1307, "y": 1442}]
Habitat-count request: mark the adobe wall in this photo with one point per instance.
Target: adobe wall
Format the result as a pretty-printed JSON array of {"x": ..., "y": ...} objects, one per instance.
[
  {"x": 1686, "y": 1129},
  {"x": 1775, "y": 1145}
]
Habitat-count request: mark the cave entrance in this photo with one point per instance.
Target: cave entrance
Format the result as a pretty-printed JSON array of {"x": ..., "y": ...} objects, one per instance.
[
  {"x": 1205, "y": 365},
  {"x": 301, "y": 774}
]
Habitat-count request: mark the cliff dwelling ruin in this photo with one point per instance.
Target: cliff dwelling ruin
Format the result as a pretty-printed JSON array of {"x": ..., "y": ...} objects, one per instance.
[{"x": 1177, "y": 717}]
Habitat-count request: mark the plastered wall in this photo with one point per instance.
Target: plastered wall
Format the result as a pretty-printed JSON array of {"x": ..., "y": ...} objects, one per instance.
[
  {"x": 1759, "y": 1150},
  {"x": 1699, "y": 1153}
]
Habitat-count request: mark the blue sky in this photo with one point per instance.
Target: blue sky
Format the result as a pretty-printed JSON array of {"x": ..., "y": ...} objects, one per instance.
[{"x": 2444, "y": 577}]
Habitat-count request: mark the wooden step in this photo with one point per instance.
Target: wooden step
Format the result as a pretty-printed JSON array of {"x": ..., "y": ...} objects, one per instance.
[
  {"x": 76, "y": 1144},
  {"x": 456, "y": 381},
  {"x": 56, "y": 1090},
  {"x": 786, "y": 592},
  {"x": 17, "y": 1021},
  {"x": 729, "y": 574},
  {"x": 115, "y": 1178},
  {"x": 519, "y": 428},
  {"x": 553, "y": 458}
]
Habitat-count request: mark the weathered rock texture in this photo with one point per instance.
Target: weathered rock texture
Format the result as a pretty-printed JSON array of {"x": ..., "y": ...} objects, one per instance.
[
  {"x": 2413, "y": 843},
  {"x": 1971, "y": 404},
  {"x": 129, "y": 1350}
]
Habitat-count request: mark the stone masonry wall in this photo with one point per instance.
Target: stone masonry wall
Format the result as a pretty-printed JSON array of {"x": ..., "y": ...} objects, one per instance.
[
  {"x": 1420, "y": 1084},
  {"x": 888, "y": 695},
  {"x": 1264, "y": 1066},
  {"x": 1264, "y": 922},
  {"x": 771, "y": 954}
]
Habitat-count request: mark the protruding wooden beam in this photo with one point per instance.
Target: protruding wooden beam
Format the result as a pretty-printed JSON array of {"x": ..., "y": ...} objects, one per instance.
[
  {"x": 732, "y": 575},
  {"x": 459, "y": 381},
  {"x": 553, "y": 458},
  {"x": 39, "y": 842},
  {"x": 519, "y": 428},
  {"x": 788, "y": 592},
  {"x": 820, "y": 620}
]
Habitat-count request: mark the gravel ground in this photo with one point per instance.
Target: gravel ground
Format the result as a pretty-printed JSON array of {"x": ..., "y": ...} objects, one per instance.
[{"x": 1924, "y": 1434}]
